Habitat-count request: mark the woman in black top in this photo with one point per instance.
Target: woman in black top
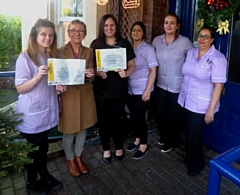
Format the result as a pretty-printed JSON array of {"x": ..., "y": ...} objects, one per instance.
[{"x": 111, "y": 87}]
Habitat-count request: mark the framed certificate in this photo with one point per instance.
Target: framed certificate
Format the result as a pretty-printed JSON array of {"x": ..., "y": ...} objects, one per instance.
[
  {"x": 66, "y": 71},
  {"x": 111, "y": 59}
]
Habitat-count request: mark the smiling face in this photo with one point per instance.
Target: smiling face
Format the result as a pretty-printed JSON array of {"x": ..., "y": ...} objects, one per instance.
[
  {"x": 45, "y": 37},
  {"x": 170, "y": 25},
  {"x": 204, "y": 39},
  {"x": 77, "y": 32},
  {"x": 137, "y": 33},
  {"x": 110, "y": 28}
]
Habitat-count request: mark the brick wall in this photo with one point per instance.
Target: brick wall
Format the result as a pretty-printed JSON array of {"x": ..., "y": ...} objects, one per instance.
[{"x": 154, "y": 12}]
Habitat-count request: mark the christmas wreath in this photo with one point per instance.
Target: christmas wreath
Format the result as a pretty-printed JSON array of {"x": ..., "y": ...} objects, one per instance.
[{"x": 216, "y": 14}]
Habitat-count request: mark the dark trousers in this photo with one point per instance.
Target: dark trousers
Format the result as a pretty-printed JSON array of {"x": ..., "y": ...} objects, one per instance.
[
  {"x": 109, "y": 113},
  {"x": 39, "y": 165},
  {"x": 169, "y": 117},
  {"x": 138, "y": 110},
  {"x": 193, "y": 124}
]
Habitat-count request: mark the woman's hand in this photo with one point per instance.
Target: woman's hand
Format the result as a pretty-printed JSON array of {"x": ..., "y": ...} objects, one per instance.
[
  {"x": 89, "y": 72},
  {"x": 42, "y": 70},
  {"x": 103, "y": 74},
  {"x": 146, "y": 96},
  {"x": 209, "y": 116},
  {"x": 122, "y": 73},
  {"x": 61, "y": 88}
]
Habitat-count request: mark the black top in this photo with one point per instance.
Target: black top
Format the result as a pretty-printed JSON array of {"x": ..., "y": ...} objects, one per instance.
[{"x": 113, "y": 87}]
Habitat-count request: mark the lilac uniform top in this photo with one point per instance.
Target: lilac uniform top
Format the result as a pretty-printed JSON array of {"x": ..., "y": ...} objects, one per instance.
[
  {"x": 199, "y": 78},
  {"x": 39, "y": 106},
  {"x": 171, "y": 58},
  {"x": 145, "y": 59}
]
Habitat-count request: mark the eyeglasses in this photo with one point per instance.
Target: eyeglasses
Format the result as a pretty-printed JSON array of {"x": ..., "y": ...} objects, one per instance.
[
  {"x": 205, "y": 37},
  {"x": 77, "y": 31}
]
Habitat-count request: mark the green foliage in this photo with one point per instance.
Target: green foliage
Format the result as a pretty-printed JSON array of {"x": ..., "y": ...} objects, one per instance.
[
  {"x": 10, "y": 39},
  {"x": 13, "y": 155},
  {"x": 212, "y": 17}
]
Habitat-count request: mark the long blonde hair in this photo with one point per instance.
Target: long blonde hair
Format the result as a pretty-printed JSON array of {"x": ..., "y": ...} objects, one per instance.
[{"x": 32, "y": 44}]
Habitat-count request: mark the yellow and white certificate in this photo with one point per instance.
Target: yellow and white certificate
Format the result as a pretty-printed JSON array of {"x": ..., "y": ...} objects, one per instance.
[
  {"x": 66, "y": 71},
  {"x": 111, "y": 59}
]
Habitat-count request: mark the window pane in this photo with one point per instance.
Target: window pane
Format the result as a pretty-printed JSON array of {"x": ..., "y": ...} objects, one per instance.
[
  {"x": 72, "y": 8},
  {"x": 234, "y": 65},
  {"x": 10, "y": 41},
  {"x": 65, "y": 28}
]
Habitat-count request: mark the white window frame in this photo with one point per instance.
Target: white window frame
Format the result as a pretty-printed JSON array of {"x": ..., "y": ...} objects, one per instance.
[{"x": 54, "y": 15}]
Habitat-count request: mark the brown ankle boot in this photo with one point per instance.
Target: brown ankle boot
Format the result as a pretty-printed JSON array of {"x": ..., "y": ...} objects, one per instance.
[
  {"x": 81, "y": 165},
  {"x": 73, "y": 167}
]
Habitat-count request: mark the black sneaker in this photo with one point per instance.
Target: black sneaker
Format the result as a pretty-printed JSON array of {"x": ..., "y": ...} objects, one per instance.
[
  {"x": 132, "y": 147},
  {"x": 160, "y": 142},
  {"x": 52, "y": 183},
  {"x": 139, "y": 154},
  {"x": 166, "y": 148},
  {"x": 37, "y": 188}
]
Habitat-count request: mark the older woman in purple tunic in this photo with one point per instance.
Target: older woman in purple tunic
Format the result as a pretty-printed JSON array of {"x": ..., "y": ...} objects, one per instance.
[
  {"x": 140, "y": 86},
  {"x": 204, "y": 74}
]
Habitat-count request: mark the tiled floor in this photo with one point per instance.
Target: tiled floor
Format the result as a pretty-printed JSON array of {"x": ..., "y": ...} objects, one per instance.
[{"x": 157, "y": 173}]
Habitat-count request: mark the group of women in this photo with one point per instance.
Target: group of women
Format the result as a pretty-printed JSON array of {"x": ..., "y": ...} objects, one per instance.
[{"x": 188, "y": 83}]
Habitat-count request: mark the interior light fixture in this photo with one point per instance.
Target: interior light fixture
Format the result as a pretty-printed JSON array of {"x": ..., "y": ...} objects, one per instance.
[
  {"x": 128, "y": 4},
  {"x": 101, "y": 2}
]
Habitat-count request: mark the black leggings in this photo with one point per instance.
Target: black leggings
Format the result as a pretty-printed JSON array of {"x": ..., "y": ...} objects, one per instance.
[
  {"x": 39, "y": 157},
  {"x": 138, "y": 110},
  {"x": 109, "y": 112}
]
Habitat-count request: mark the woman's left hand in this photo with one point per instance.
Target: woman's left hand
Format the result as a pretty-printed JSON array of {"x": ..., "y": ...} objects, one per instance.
[
  {"x": 61, "y": 88},
  {"x": 209, "y": 116},
  {"x": 122, "y": 73},
  {"x": 89, "y": 72}
]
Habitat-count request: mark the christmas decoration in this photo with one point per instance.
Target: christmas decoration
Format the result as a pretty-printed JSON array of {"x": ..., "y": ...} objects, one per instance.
[
  {"x": 216, "y": 13},
  {"x": 223, "y": 27},
  {"x": 13, "y": 155}
]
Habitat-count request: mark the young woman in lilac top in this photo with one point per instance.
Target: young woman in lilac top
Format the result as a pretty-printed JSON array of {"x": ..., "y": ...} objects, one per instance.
[
  {"x": 38, "y": 103},
  {"x": 204, "y": 74},
  {"x": 171, "y": 49},
  {"x": 140, "y": 86}
]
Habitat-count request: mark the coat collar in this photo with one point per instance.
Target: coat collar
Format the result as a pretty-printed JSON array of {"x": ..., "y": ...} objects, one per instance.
[{"x": 69, "y": 53}]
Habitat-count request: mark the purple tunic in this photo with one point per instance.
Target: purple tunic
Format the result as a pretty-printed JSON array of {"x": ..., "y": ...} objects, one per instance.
[
  {"x": 145, "y": 59},
  {"x": 39, "y": 106},
  {"x": 171, "y": 58},
  {"x": 199, "y": 78}
]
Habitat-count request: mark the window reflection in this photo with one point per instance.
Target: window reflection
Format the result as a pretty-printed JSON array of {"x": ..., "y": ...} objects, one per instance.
[{"x": 72, "y": 8}]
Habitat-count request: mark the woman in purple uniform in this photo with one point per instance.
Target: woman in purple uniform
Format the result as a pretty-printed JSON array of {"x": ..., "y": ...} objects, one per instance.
[
  {"x": 140, "y": 86},
  {"x": 204, "y": 74}
]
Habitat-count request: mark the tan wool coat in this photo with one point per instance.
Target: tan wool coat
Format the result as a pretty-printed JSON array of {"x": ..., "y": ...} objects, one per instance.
[{"x": 79, "y": 110}]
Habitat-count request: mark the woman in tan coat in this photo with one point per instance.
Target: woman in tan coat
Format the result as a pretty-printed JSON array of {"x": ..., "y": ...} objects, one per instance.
[{"x": 78, "y": 104}]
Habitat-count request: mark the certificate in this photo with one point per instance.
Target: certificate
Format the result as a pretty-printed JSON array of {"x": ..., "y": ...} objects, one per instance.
[
  {"x": 111, "y": 59},
  {"x": 66, "y": 71}
]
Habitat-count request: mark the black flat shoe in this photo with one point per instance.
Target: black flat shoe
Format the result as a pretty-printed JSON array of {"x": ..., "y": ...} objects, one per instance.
[
  {"x": 119, "y": 158},
  {"x": 193, "y": 173},
  {"x": 107, "y": 160}
]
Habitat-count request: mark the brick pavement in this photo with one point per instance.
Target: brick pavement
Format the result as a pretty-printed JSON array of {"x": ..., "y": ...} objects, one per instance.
[{"x": 157, "y": 173}]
